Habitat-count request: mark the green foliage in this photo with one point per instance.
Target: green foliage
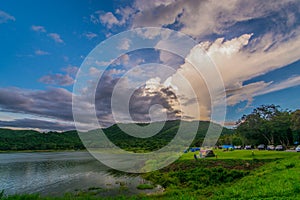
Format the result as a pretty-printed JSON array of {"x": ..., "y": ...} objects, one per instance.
[
  {"x": 16, "y": 140},
  {"x": 1, "y": 194},
  {"x": 32, "y": 140},
  {"x": 296, "y": 120},
  {"x": 145, "y": 186},
  {"x": 192, "y": 175},
  {"x": 267, "y": 124},
  {"x": 162, "y": 138}
]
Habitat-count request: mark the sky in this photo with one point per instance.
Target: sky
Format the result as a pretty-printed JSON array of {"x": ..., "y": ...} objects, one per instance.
[{"x": 253, "y": 44}]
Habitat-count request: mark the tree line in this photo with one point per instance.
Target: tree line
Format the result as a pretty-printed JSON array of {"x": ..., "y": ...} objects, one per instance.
[
  {"x": 266, "y": 124},
  {"x": 15, "y": 140}
]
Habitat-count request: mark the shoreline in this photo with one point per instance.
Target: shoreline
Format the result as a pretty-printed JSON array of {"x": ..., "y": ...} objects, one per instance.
[{"x": 43, "y": 151}]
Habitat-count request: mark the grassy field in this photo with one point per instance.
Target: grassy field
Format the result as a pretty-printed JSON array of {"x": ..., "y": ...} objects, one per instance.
[
  {"x": 278, "y": 178},
  {"x": 232, "y": 175},
  {"x": 244, "y": 154}
]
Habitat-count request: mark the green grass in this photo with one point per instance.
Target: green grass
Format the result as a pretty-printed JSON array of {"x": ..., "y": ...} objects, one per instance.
[
  {"x": 243, "y": 154},
  {"x": 276, "y": 180},
  {"x": 145, "y": 186},
  {"x": 233, "y": 175}
]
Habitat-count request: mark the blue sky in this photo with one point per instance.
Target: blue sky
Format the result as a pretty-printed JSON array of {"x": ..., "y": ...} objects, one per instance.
[{"x": 43, "y": 44}]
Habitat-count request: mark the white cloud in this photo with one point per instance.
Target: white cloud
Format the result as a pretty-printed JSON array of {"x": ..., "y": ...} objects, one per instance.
[
  {"x": 108, "y": 19},
  {"x": 116, "y": 71},
  {"x": 200, "y": 18},
  {"x": 93, "y": 71},
  {"x": 248, "y": 92},
  {"x": 41, "y": 53},
  {"x": 290, "y": 82},
  {"x": 238, "y": 59},
  {"x": 237, "y": 64},
  {"x": 38, "y": 28},
  {"x": 5, "y": 17},
  {"x": 146, "y": 4},
  {"x": 122, "y": 60},
  {"x": 90, "y": 35},
  {"x": 56, "y": 37},
  {"x": 124, "y": 45},
  {"x": 125, "y": 14},
  {"x": 57, "y": 79},
  {"x": 71, "y": 70},
  {"x": 102, "y": 63},
  {"x": 245, "y": 93}
]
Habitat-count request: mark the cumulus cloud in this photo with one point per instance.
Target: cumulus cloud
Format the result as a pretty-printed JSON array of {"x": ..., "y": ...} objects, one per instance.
[
  {"x": 199, "y": 18},
  {"x": 140, "y": 101},
  {"x": 237, "y": 60},
  {"x": 71, "y": 70},
  {"x": 93, "y": 71},
  {"x": 57, "y": 79},
  {"x": 125, "y": 44},
  {"x": 5, "y": 17},
  {"x": 109, "y": 19},
  {"x": 170, "y": 59},
  {"x": 56, "y": 37}
]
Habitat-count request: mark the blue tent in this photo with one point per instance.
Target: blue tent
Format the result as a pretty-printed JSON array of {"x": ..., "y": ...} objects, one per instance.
[
  {"x": 227, "y": 146},
  {"x": 193, "y": 149}
]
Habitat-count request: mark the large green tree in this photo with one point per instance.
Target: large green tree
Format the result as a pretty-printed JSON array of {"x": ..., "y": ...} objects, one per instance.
[
  {"x": 266, "y": 124},
  {"x": 295, "y": 124}
]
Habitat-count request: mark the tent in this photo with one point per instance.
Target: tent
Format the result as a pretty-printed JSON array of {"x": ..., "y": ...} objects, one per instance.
[
  {"x": 226, "y": 146},
  {"x": 193, "y": 149},
  {"x": 207, "y": 153}
]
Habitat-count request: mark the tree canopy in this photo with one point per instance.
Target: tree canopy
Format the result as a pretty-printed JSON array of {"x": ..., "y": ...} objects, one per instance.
[{"x": 269, "y": 124}]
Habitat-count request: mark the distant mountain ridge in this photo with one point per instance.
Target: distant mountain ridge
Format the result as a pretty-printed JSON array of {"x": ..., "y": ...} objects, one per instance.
[{"x": 16, "y": 140}]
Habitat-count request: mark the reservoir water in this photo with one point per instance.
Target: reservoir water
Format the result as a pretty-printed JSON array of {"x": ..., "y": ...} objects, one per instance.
[{"x": 56, "y": 173}]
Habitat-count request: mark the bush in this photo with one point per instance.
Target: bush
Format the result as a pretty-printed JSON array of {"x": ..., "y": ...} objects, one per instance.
[{"x": 145, "y": 186}]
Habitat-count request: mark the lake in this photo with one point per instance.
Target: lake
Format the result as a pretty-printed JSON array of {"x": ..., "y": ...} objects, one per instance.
[{"x": 56, "y": 173}]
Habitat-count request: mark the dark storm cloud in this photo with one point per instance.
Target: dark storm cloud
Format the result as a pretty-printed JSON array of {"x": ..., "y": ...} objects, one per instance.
[
  {"x": 140, "y": 102},
  {"x": 53, "y": 103},
  {"x": 35, "y": 123},
  {"x": 143, "y": 99}
]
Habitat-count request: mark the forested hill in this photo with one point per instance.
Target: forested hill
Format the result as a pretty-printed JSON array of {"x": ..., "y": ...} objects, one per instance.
[{"x": 33, "y": 140}]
